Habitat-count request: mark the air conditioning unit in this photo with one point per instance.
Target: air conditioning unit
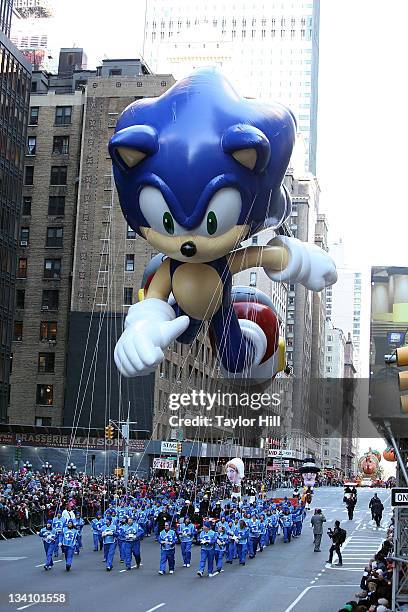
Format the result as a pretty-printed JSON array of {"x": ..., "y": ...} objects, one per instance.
[{"x": 23, "y": 243}]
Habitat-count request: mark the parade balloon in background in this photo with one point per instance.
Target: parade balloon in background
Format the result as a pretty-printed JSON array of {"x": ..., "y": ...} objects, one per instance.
[
  {"x": 389, "y": 454},
  {"x": 235, "y": 471},
  {"x": 198, "y": 170},
  {"x": 309, "y": 471}
]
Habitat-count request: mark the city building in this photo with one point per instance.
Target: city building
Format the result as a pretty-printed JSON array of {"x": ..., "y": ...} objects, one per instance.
[
  {"x": 269, "y": 50},
  {"x": 31, "y": 31},
  {"x": 344, "y": 300},
  {"x": 335, "y": 348},
  {"x": 15, "y": 87}
]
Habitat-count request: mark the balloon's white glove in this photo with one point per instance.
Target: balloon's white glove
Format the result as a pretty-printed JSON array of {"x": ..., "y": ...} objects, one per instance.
[
  {"x": 308, "y": 265},
  {"x": 150, "y": 326}
]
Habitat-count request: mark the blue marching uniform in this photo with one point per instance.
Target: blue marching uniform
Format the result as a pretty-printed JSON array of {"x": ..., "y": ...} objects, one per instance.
[
  {"x": 69, "y": 540},
  {"x": 49, "y": 537},
  {"x": 133, "y": 534},
  {"x": 79, "y": 525},
  {"x": 273, "y": 526},
  {"x": 96, "y": 525},
  {"x": 58, "y": 525},
  {"x": 231, "y": 544},
  {"x": 207, "y": 541},
  {"x": 254, "y": 537},
  {"x": 297, "y": 517},
  {"x": 167, "y": 541},
  {"x": 220, "y": 549},
  {"x": 263, "y": 534},
  {"x": 287, "y": 524},
  {"x": 242, "y": 534},
  {"x": 109, "y": 535},
  {"x": 186, "y": 535},
  {"x": 122, "y": 538}
]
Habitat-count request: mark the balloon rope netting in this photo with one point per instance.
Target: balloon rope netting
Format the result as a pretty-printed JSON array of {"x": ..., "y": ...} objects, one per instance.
[{"x": 201, "y": 340}]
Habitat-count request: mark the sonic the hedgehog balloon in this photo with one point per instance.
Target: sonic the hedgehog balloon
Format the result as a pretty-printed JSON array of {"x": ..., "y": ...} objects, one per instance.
[{"x": 198, "y": 170}]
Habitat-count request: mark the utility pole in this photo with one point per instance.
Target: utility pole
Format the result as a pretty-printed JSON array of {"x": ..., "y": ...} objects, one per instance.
[{"x": 125, "y": 436}]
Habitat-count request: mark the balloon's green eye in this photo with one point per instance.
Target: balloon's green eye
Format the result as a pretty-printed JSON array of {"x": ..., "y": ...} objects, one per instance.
[
  {"x": 168, "y": 223},
  {"x": 211, "y": 223}
]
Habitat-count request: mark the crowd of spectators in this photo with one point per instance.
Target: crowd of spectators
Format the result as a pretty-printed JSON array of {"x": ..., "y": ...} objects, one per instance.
[
  {"x": 376, "y": 582},
  {"x": 29, "y": 498}
]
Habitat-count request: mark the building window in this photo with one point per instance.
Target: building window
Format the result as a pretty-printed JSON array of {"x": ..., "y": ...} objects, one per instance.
[
  {"x": 48, "y": 330},
  {"x": 60, "y": 145},
  {"x": 43, "y": 421},
  {"x": 131, "y": 234},
  {"x": 31, "y": 145},
  {"x": 252, "y": 279},
  {"x": 139, "y": 84},
  {"x": 127, "y": 296},
  {"x": 24, "y": 236},
  {"x": 163, "y": 83},
  {"x": 29, "y": 175},
  {"x": 54, "y": 237},
  {"x": 27, "y": 205},
  {"x": 63, "y": 115},
  {"x": 20, "y": 298},
  {"x": 129, "y": 263},
  {"x": 52, "y": 269},
  {"x": 254, "y": 239},
  {"x": 18, "y": 331},
  {"x": 58, "y": 175},
  {"x": 45, "y": 395},
  {"x": 50, "y": 299},
  {"x": 115, "y": 72},
  {"x": 22, "y": 268},
  {"x": 46, "y": 363},
  {"x": 34, "y": 112},
  {"x": 56, "y": 206}
]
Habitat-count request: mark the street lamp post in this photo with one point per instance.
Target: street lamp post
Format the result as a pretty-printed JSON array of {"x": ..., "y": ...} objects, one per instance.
[
  {"x": 47, "y": 467},
  {"x": 71, "y": 469}
]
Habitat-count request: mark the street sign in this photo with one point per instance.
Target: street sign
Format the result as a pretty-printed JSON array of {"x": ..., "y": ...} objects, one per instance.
[
  {"x": 168, "y": 447},
  {"x": 163, "y": 464},
  {"x": 399, "y": 497}
]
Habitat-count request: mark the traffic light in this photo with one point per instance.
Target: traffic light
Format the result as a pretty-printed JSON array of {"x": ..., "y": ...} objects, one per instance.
[
  {"x": 119, "y": 471},
  {"x": 18, "y": 454},
  {"x": 402, "y": 360},
  {"x": 109, "y": 431},
  {"x": 179, "y": 448}
]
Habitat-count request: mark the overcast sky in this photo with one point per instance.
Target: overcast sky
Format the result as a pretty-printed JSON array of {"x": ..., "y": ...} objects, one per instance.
[{"x": 362, "y": 128}]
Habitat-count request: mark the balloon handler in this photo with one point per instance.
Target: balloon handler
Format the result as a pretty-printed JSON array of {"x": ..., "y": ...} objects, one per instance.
[{"x": 198, "y": 170}]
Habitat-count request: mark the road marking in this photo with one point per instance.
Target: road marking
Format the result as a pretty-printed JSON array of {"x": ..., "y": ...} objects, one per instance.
[
  {"x": 156, "y": 607},
  {"x": 12, "y": 558},
  {"x": 27, "y": 606},
  {"x": 57, "y": 561},
  {"x": 316, "y": 586}
]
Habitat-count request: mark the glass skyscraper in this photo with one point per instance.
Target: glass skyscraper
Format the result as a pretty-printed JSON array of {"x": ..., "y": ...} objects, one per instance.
[
  {"x": 15, "y": 75},
  {"x": 268, "y": 48}
]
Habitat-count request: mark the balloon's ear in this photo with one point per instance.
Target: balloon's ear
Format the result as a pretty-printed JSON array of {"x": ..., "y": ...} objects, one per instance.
[
  {"x": 130, "y": 146},
  {"x": 248, "y": 146}
]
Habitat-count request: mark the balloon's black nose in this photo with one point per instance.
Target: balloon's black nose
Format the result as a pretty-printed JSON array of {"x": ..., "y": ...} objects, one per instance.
[{"x": 188, "y": 249}]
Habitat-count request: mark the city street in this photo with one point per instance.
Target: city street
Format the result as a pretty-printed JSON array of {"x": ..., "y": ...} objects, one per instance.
[{"x": 282, "y": 578}]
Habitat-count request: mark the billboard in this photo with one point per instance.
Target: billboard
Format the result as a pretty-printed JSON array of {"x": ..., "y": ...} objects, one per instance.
[{"x": 389, "y": 332}]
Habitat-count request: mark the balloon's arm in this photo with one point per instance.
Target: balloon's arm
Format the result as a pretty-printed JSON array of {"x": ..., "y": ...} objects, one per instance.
[
  {"x": 270, "y": 257},
  {"x": 160, "y": 286}
]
